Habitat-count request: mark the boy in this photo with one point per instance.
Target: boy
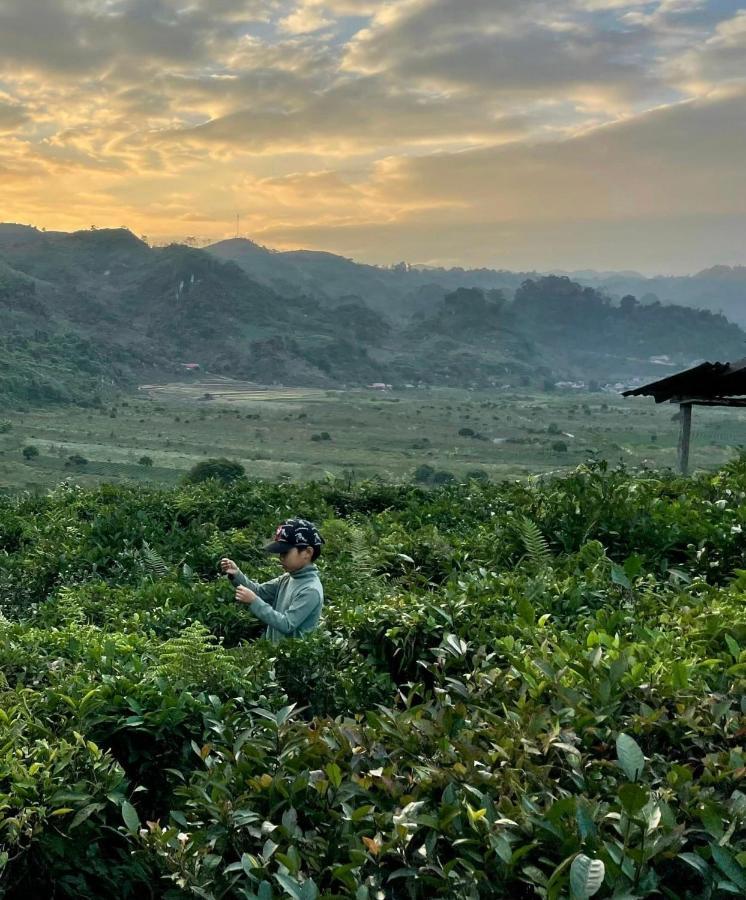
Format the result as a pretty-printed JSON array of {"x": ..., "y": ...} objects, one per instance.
[{"x": 291, "y": 604}]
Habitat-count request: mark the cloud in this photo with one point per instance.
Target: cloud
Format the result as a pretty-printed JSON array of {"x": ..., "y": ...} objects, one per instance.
[
  {"x": 355, "y": 115},
  {"x": 313, "y": 15},
  {"x": 719, "y": 59},
  {"x": 12, "y": 115},
  {"x": 68, "y": 37},
  {"x": 685, "y": 159},
  {"x": 404, "y": 121},
  {"x": 531, "y": 51}
]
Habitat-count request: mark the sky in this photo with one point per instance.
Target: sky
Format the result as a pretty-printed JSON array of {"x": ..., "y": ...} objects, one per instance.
[{"x": 520, "y": 134}]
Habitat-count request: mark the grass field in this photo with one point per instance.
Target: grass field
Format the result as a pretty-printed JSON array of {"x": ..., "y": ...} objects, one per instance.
[{"x": 302, "y": 434}]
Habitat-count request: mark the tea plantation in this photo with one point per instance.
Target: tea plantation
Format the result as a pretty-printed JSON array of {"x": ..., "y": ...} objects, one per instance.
[{"x": 519, "y": 690}]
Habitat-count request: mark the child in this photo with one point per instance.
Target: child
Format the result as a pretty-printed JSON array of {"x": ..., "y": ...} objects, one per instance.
[{"x": 291, "y": 604}]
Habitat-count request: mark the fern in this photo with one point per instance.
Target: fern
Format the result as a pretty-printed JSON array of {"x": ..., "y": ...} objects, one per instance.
[
  {"x": 362, "y": 563},
  {"x": 537, "y": 548},
  {"x": 195, "y": 658},
  {"x": 152, "y": 562}
]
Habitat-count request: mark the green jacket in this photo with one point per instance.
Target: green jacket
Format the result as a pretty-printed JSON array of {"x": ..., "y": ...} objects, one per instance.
[{"x": 289, "y": 605}]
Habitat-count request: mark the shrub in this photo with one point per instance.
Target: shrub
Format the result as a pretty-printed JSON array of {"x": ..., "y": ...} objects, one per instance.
[
  {"x": 478, "y": 475},
  {"x": 516, "y": 690},
  {"x": 424, "y": 473},
  {"x": 220, "y": 469},
  {"x": 5, "y": 426},
  {"x": 466, "y": 432},
  {"x": 145, "y": 461},
  {"x": 443, "y": 476},
  {"x": 30, "y": 452},
  {"x": 559, "y": 447}
]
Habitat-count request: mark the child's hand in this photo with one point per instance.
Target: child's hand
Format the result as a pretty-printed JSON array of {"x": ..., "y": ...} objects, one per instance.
[
  {"x": 227, "y": 566},
  {"x": 245, "y": 595}
]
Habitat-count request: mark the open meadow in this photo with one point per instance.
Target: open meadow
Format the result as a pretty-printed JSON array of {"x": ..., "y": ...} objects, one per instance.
[{"x": 159, "y": 433}]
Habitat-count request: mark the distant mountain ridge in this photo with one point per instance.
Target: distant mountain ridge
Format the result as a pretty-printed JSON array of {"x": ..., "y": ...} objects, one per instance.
[
  {"x": 391, "y": 290},
  {"x": 94, "y": 307},
  {"x": 396, "y": 291}
]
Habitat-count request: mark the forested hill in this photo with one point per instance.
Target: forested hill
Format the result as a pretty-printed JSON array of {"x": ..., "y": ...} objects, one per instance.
[
  {"x": 93, "y": 308},
  {"x": 719, "y": 288},
  {"x": 403, "y": 288},
  {"x": 396, "y": 291}
]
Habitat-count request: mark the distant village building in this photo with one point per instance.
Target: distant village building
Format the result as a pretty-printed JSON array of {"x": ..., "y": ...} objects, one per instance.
[
  {"x": 193, "y": 367},
  {"x": 380, "y": 386}
]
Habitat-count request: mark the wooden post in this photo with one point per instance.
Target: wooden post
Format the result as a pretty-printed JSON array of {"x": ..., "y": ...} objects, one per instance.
[{"x": 685, "y": 418}]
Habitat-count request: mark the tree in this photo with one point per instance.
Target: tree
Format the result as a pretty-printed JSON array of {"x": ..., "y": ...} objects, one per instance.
[
  {"x": 30, "y": 452},
  {"x": 221, "y": 469},
  {"x": 145, "y": 461},
  {"x": 465, "y": 302},
  {"x": 628, "y": 304}
]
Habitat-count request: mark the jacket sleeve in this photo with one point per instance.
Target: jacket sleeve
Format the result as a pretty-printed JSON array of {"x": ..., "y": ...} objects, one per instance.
[
  {"x": 267, "y": 591},
  {"x": 304, "y": 602}
]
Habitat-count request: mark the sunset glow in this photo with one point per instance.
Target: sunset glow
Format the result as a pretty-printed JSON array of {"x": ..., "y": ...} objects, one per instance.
[{"x": 506, "y": 133}]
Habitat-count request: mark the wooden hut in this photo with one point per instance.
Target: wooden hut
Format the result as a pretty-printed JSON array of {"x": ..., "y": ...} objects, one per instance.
[{"x": 709, "y": 384}]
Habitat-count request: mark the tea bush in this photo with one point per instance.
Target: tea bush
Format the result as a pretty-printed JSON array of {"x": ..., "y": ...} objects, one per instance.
[{"x": 517, "y": 690}]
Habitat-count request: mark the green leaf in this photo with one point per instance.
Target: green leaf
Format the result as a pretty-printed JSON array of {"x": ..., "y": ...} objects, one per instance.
[
  {"x": 586, "y": 876},
  {"x": 82, "y": 814},
  {"x": 334, "y": 774},
  {"x": 619, "y": 576},
  {"x": 632, "y": 565},
  {"x": 729, "y": 866},
  {"x": 584, "y": 818},
  {"x": 525, "y": 610},
  {"x": 633, "y": 798},
  {"x": 630, "y": 756},
  {"x": 305, "y": 891},
  {"x": 696, "y": 862},
  {"x": 679, "y": 674},
  {"x": 131, "y": 819},
  {"x": 735, "y": 650}
]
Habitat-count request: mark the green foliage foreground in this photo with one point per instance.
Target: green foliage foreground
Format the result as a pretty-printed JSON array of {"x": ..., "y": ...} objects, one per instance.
[{"x": 518, "y": 690}]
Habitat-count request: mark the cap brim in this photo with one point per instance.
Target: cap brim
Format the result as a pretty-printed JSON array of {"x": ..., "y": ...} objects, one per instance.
[{"x": 278, "y": 547}]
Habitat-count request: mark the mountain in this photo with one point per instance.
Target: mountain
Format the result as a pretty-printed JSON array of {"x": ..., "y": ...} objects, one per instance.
[
  {"x": 397, "y": 291},
  {"x": 101, "y": 307},
  {"x": 402, "y": 289},
  {"x": 718, "y": 289}
]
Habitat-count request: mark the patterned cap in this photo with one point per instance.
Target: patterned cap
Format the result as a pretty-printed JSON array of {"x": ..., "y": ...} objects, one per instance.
[{"x": 294, "y": 533}]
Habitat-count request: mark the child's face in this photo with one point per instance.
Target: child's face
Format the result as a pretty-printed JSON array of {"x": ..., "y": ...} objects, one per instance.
[{"x": 295, "y": 559}]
